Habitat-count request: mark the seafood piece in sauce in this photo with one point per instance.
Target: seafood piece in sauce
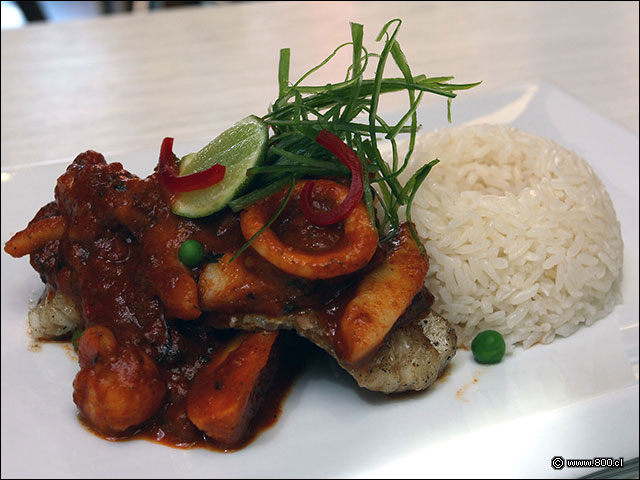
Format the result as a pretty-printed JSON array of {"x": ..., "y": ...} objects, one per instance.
[
  {"x": 109, "y": 246},
  {"x": 107, "y": 250},
  {"x": 376, "y": 322}
]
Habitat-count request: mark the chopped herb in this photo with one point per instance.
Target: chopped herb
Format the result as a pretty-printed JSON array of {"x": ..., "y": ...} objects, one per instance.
[
  {"x": 76, "y": 337},
  {"x": 348, "y": 109},
  {"x": 213, "y": 257},
  {"x": 292, "y": 182}
]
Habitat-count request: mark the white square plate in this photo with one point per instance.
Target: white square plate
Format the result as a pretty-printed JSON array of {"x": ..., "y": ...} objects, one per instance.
[{"x": 576, "y": 398}]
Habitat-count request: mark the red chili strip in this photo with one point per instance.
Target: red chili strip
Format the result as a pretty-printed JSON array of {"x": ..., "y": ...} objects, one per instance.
[
  {"x": 168, "y": 172},
  {"x": 347, "y": 156}
]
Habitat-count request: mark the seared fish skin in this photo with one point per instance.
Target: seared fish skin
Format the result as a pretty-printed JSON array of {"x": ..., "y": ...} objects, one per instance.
[{"x": 411, "y": 357}]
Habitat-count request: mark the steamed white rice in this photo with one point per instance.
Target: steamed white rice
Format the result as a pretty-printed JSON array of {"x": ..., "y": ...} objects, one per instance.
[{"x": 522, "y": 235}]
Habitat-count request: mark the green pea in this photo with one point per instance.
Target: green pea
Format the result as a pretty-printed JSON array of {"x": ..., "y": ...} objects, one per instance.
[
  {"x": 191, "y": 253},
  {"x": 488, "y": 347}
]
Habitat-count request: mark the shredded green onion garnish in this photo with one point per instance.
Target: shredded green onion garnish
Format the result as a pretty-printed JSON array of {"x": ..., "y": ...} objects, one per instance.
[
  {"x": 301, "y": 111},
  {"x": 292, "y": 182}
]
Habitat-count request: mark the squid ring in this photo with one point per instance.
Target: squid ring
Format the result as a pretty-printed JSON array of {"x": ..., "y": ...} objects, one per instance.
[{"x": 352, "y": 252}]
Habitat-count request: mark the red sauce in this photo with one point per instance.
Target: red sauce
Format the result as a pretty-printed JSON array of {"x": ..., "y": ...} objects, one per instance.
[
  {"x": 172, "y": 428},
  {"x": 118, "y": 262},
  {"x": 293, "y": 228}
]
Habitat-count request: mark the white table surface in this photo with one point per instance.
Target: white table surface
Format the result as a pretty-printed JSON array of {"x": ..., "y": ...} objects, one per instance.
[{"x": 120, "y": 84}]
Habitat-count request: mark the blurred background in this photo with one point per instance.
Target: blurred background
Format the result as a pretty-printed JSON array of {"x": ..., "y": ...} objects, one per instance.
[
  {"x": 19, "y": 14},
  {"x": 115, "y": 76}
]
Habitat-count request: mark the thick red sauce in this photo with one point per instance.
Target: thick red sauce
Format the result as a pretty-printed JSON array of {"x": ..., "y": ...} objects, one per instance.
[
  {"x": 118, "y": 262},
  {"x": 172, "y": 428},
  {"x": 294, "y": 229}
]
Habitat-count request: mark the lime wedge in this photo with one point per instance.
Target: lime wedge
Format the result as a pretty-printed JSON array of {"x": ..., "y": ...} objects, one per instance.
[
  {"x": 188, "y": 158},
  {"x": 238, "y": 148}
]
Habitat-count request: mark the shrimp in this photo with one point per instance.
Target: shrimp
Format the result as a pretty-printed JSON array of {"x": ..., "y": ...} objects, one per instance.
[
  {"x": 36, "y": 235},
  {"x": 117, "y": 388}
]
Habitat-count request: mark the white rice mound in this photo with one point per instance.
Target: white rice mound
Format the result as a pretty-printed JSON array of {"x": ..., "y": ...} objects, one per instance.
[{"x": 522, "y": 235}]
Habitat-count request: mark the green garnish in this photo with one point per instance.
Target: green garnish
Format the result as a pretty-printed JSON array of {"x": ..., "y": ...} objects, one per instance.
[
  {"x": 277, "y": 213},
  {"x": 348, "y": 109},
  {"x": 76, "y": 337},
  {"x": 488, "y": 347},
  {"x": 191, "y": 253},
  {"x": 239, "y": 148},
  {"x": 213, "y": 257}
]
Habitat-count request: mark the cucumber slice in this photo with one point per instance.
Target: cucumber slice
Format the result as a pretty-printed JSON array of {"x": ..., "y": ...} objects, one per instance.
[{"x": 238, "y": 148}]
